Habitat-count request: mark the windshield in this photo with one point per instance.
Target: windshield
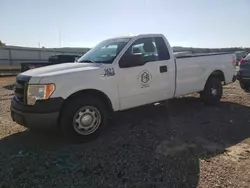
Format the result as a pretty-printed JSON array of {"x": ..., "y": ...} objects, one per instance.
[{"x": 105, "y": 52}]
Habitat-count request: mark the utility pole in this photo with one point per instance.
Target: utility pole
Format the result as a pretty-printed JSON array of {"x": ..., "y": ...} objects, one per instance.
[{"x": 59, "y": 36}]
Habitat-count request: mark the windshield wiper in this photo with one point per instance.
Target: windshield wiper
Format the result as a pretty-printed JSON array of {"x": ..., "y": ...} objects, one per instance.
[{"x": 86, "y": 61}]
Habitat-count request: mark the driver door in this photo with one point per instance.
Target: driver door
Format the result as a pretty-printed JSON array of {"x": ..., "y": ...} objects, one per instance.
[{"x": 146, "y": 83}]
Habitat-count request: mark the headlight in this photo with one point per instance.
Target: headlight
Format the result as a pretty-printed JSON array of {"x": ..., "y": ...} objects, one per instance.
[{"x": 39, "y": 92}]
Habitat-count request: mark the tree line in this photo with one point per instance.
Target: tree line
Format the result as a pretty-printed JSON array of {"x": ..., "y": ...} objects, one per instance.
[
  {"x": 195, "y": 50},
  {"x": 1, "y": 43},
  {"x": 208, "y": 50}
]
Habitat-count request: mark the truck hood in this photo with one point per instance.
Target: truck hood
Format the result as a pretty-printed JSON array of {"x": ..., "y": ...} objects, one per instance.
[{"x": 59, "y": 69}]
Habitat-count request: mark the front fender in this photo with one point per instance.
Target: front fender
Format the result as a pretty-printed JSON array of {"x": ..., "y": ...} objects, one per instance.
[{"x": 67, "y": 85}]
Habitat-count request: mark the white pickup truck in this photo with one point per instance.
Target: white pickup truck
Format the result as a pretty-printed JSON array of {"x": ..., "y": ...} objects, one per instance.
[{"x": 117, "y": 74}]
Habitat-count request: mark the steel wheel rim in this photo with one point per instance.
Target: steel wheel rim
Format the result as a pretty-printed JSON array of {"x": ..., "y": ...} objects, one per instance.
[{"x": 86, "y": 120}]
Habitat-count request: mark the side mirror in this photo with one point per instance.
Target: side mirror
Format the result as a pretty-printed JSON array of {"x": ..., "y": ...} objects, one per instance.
[{"x": 131, "y": 61}]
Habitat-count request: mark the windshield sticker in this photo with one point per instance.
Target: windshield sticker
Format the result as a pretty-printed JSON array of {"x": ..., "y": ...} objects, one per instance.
[
  {"x": 109, "y": 72},
  {"x": 145, "y": 78}
]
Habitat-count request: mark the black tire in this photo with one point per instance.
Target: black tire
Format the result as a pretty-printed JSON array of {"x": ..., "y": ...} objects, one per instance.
[
  {"x": 212, "y": 93},
  {"x": 68, "y": 114},
  {"x": 34, "y": 130},
  {"x": 244, "y": 86}
]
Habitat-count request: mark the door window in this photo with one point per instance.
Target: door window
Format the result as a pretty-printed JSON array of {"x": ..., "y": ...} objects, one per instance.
[
  {"x": 145, "y": 47},
  {"x": 151, "y": 49}
]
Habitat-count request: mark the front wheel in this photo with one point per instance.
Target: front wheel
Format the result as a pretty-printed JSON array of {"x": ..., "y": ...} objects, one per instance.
[
  {"x": 212, "y": 92},
  {"x": 83, "y": 118}
]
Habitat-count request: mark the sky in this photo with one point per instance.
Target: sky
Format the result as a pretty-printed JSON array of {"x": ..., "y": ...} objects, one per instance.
[{"x": 84, "y": 23}]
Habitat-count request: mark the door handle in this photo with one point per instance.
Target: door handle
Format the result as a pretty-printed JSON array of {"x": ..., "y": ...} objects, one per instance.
[{"x": 163, "y": 68}]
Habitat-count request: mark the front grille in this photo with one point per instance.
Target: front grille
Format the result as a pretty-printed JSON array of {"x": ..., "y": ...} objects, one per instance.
[
  {"x": 20, "y": 88},
  {"x": 20, "y": 91}
]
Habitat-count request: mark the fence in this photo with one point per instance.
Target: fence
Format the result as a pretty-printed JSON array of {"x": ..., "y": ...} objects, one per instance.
[{"x": 12, "y": 56}]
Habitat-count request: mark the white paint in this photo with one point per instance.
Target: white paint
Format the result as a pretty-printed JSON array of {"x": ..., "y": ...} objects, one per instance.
[
  {"x": 192, "y": 72},
  {"x": 161, "y": 85}
]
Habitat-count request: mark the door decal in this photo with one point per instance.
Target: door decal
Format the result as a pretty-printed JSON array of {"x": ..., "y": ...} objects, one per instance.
[
  {"x": 145, "y": 78},
  {"x": 109, "y": 72}
]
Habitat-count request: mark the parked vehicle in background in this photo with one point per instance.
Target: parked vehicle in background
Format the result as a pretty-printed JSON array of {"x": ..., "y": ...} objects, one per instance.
[
  {"x": 243, "y": 74},
  {"x": 117, "y": 74},
  {"x": 55, "y": 59},
  {"x": 239, "y": 56}
]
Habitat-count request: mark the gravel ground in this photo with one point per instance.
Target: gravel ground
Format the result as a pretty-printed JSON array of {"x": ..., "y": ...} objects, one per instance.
[{"x": 184, "y": 145}]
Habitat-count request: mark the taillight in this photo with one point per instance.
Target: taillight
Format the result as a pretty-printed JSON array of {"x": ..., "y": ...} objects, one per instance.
[
  {"x": 242, "y": 61},
  {"x": 234, "y": 61}
]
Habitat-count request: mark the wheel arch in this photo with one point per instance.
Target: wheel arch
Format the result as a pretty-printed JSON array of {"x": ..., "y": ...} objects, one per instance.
[{"x": 94, "y": 93}]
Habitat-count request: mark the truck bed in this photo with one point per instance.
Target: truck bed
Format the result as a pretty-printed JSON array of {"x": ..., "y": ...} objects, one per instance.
[{"x": 196, "y": 68}]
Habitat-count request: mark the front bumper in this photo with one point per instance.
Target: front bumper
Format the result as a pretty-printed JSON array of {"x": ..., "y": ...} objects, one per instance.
[
  {"x": 44, "y": 114},
  {"x": 34, "y": 120}
]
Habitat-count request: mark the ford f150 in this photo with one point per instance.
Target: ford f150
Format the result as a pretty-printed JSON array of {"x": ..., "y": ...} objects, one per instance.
[{"x": 117, "y": 74}]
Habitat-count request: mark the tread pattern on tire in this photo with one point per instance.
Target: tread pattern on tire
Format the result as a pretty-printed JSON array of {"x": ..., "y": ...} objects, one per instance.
[
  {"x": 206, "y": 95},
  {"x": 72, "y": 106}
]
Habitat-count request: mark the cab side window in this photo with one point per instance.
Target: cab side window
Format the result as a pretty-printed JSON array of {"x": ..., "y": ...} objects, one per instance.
[
  {"x": 150, "y": 49},
  {"x": 146, "y": 47}
]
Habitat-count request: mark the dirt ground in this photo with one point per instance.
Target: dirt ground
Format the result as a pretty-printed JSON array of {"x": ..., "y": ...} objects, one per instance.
[{"x": 185, "y": 145}]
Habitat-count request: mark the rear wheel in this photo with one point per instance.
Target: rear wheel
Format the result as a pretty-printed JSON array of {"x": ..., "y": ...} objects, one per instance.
[
  {"x": 212, "y": 92},
  {"x": 245, "y": 86},
  {"x": 83, "y": 118}
]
